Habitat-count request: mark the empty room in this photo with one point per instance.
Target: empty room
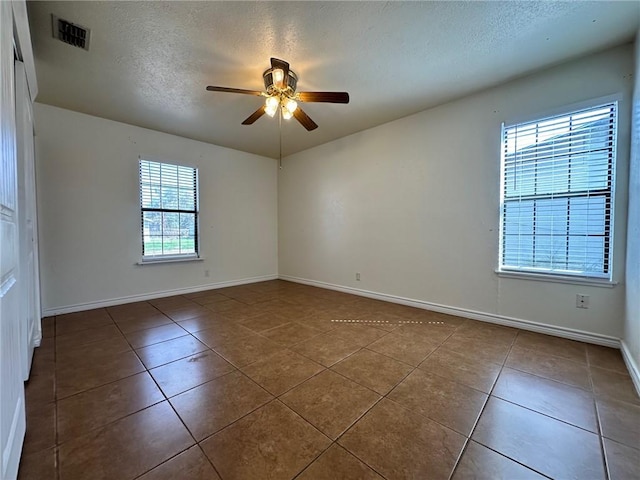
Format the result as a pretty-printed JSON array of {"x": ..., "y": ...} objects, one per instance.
[{"x": 317, "y": 240}]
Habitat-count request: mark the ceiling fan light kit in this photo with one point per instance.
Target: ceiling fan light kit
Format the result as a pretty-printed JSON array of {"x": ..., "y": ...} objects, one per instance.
[{"x": 280, "y": 84}]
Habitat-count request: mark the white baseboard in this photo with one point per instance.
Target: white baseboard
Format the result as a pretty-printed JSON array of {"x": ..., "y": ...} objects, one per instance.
[
  {"x": 632, "y": 366},
  {"x": 150, "y": 296},
  {"x": 569, "y": 333}
]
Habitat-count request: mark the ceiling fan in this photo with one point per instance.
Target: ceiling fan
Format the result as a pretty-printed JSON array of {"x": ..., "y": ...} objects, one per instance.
[{"x": 280, "y": 84}]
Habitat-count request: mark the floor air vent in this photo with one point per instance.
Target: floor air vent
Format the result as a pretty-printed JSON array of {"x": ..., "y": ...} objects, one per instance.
[{"x": 71, "y": 33}]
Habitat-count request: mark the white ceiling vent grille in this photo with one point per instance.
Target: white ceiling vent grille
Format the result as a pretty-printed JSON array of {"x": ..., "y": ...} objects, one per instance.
[{"x": 71, "y": 33}]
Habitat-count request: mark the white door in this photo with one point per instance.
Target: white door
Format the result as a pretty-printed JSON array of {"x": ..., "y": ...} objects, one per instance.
[
  {"x": 29, "y": 275},
  {"x": 12, "y": 411}
]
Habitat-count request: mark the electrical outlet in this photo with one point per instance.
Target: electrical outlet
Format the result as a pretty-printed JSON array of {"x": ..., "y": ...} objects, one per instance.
[
  {"x": 358, "y": 276},
  {"x": 582, "y": 301},
  {"x": 206, "y": 273}
]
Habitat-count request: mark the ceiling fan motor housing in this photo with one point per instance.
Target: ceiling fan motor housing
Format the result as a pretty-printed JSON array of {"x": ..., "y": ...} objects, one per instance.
[{"x": 291, "y": 82}]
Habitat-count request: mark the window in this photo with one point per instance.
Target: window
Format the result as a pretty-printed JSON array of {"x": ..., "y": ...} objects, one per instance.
[
  {"x": 557, "y": 194},
  {"x": 169, "y": 210}
]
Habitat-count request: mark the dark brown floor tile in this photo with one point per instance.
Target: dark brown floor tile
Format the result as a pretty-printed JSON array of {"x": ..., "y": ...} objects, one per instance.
[
  {"x": 246, "y": 350},
  {"x": 43, "y": 360},
  {"x": 373, "y": 370},
  {"x": 548, "y": 446},
  {"x": 276, "y": 304},
  {"x": 272, "y": 442},
  {"x": 290, "y": 333},
  {"x": 203, "y": 322},
  {"x": 144, "y": 322},
  {"x": 477, "y": 350},
  {"x": 78, "y": 321},
  {"x": 39, "y": 390},
  {"x": 223, "y": 332},
  {"x": 398, "y": 443},
  {"x": 337, "y": 463},
  {"x": 479, "y": 462},
  {"x": 185, "y": 312},
  {"x": 95, "y": 408},
  {"x": 620, "y": 421},
  {"x": 282, "y": 371},
  {"x": 326, "y": 349},
  {"x": 447, "y": 402},
  {"x": 225, "y": 306},
  {"x": 41, "y": 429},
  {"x": 210, "y": 407},
  {"x": 319, "y": 321},
  {"x": 131, "y": 311},
  {"x": 549, "y": 366},
  {"x": 362, "y": 335},
  {"x": 411, "y": 350},
  {"x": 251, "y": 298},
  {"x": 38, "y": 466},
  {"x": 457, "y": 367},
  {"x": 191, "y": 464},
  {"x": 558, "y": 400},
  {"x": 72, "y": 379},
  {"x": 93, "y": 352},
  {"x": 433, "y": 332},
  {"x": 623, "y": 462},
  {"x": 48, "y": 327},
  {"x": 330, "y": 402},
  {"x": 265, "y": 321},
  {"x": 40, "y": 387},
  {"x": 383, "y": 320},
  {"x": 170, "y": 351},
  {"x": 181, "y": 375},
  {"x": 168, "y": 303},
  {"x": 97, "y": 334},
  {"x": 207, "y": 298},
  {"x": 239, "y": 314},
  {"x": 550, "y": 345},
  {"x": 487, "y": 332},
  {"x": 605, "y": 357},
  {"x": 609, "y": 384},
  {"x": 143, "y": 338},
  {"x": 394, "y": 314},
  {"x": 437, "y": 317},
  {"x": 126, "y": 448},
  {"x": 99, "y": 391}
]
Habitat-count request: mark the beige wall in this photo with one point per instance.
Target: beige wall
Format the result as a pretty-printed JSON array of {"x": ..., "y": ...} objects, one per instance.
[
  {"x": 89, "y": 211},
  {"x": 632, "y": 312},
  {"x": 413, "y": 204}
]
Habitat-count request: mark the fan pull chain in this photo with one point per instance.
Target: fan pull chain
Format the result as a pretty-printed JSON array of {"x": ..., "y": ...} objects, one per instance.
[{"x": 280, "y": 131}]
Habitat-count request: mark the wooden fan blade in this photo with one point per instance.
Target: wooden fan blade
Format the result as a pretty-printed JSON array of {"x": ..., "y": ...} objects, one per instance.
[
  {"x": 284, "y": 66},
  {"x": 326, "y": 97},
  {"x": 233, "y": 90},
  {"x": 254, "y": 116},
  {"x": 304, "y": 119}
]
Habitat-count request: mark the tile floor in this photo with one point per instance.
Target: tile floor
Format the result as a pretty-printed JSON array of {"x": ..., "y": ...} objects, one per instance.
[{"x": 277, "y": 380}]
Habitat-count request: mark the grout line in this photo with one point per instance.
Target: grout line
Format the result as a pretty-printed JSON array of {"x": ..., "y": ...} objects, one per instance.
[
  {"x": 484, "y": 406},
  {"x": 166, "y": 399},
  {"x": 208, "y": 460}
]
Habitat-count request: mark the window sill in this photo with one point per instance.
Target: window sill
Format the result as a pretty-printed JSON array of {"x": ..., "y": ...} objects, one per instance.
[
  {"x": 149, "y": 261},
  {"x": 541, "y": 277}
]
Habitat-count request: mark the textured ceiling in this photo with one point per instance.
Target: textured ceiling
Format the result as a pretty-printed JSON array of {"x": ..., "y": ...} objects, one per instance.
[{"x": 149, "y": 62}]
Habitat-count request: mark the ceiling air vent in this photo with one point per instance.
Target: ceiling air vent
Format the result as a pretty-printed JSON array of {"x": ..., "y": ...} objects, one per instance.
[{"x": 70, "y": 33}]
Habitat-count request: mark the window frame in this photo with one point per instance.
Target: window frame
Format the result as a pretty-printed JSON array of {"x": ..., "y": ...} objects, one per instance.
[
  {"x": 170, "y": 257},
  {"x": 556, "y": 275}
]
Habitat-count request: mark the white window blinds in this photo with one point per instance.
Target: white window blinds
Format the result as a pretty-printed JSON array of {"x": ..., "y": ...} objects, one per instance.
[
  {"x": 169, "y": 209},
  {"x": 557, "y": 194}
]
